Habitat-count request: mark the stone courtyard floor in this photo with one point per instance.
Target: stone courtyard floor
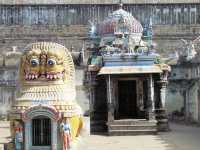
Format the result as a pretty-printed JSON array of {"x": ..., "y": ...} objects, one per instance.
[{"x": 180, "y": 138}]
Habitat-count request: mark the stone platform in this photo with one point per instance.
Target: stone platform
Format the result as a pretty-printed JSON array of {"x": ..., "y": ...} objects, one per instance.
[{"x": 132, "y": 127}]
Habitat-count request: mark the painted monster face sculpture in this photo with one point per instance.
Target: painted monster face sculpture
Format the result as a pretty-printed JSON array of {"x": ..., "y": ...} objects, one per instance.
[{"x": 45, "y": 63}]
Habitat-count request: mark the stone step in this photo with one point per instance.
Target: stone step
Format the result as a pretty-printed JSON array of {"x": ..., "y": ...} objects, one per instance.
[
  {"x": 141, "y": 122},
  {"x": 132, "y": 132},
  {"x": 132, "y": 127}
]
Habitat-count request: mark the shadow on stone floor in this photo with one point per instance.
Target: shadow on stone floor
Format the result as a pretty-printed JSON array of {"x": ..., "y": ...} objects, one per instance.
[{"x": 180, "y": 137}]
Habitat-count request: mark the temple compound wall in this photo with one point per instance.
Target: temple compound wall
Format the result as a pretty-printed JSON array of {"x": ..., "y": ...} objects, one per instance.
[
  {"x": 67, "y": 22},
  {"x": 183, "y": 93}
]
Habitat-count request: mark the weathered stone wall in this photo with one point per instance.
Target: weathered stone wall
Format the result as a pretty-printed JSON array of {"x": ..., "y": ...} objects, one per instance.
[
  {"x": 183, "y": 92},
  {"x": 69, "y": 24},
  {"x": 8, "y": 78},
  {"x": 167, "y": 37},
  {"x": 20, "y": 36},
  {"x": 23, "y": 2}
]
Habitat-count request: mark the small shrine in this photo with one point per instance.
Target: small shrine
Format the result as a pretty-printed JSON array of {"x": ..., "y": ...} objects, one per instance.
[
  {"x": 45, "y": 115},
  {"x": 126, "y": 78}
]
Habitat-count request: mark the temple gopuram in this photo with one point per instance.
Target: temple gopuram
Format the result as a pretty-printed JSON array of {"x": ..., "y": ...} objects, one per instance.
[
  {"x": 126, "y": 78},
  {"x": 45, "y": 114}
]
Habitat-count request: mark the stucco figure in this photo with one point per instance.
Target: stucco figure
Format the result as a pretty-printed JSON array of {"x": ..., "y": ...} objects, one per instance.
[
  {"x": 18, "y": 136},
  {"x": 66, "y": 134}
]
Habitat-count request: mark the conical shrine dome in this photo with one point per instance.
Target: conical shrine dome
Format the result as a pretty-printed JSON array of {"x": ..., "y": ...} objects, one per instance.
[{"x": 119, "y": 21}]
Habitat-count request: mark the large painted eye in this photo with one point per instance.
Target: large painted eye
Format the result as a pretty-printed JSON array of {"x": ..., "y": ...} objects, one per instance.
[
  {"x": 51, "y": 62},
  {"x": 34, "y": 62}
]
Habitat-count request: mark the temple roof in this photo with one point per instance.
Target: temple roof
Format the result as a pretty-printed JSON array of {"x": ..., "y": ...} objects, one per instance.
[
  {"x": 130, "y": 69},
  {"x": 119, "y": 21}
]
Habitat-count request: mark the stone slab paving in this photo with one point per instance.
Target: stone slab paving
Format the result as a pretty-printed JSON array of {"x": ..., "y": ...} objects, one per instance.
[
  {"x": 4, "y": 133},
  {"x": 180, "y": 138}
]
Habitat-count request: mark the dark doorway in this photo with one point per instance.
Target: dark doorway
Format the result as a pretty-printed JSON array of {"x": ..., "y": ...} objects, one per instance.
[
  {"x": 127, "y": 99},
  {"x": 41, "y": 131}
]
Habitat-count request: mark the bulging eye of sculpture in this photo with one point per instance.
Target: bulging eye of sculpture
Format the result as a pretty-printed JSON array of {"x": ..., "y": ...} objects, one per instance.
[
  {"x": 54, "y": 71},
  {"x": 34, "y": 62},
  {"x": 32, "y": 70},
  {"x": 51, "y": 62}
]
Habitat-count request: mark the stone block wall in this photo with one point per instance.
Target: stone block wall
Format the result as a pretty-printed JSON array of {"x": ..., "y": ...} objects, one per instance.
[
  {"x": 8, "y": 81},
  {"x": 21, "y": 36},
  {"x": 168, "y": 37}
]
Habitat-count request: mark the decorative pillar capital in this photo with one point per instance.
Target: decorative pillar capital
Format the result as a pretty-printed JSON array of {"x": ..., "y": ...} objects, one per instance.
[{"x": 162, "y": 83}]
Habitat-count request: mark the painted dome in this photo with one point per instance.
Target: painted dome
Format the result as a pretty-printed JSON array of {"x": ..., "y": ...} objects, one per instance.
[{"x": 119, "y": 21}]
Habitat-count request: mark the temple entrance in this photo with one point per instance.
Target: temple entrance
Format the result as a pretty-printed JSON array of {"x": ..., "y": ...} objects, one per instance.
[
  {"x": 41, "y": 133},
  {"x": 127, "y": 99}
]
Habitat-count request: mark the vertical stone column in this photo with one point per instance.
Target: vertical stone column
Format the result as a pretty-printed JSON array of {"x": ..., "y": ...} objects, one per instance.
[
  {"x": 109, "y": 83},
  {"x": 28, "y": 135},
  {"x": 92, "y": 92},
  {"x": 161, "y": 111},
  {"x": 163, "y": 94},
  {"x": 54, "y": 137},
  {"x": 150, "y": 102},
  {"x": 91, "y": 101}
]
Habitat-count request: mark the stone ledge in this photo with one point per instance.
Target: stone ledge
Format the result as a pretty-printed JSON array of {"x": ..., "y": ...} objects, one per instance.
[{"x": 60, "y": 2}]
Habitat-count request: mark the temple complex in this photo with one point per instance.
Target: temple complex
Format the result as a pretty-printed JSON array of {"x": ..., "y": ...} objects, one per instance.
[
  {"x": 45, "y": 114},
  {"x": 67, "y": 22},
  {"x": 126, "y": 77}
]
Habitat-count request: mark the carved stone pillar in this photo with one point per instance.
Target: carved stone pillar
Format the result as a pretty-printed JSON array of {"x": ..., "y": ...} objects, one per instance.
[
  {"x": 161, "y": 115},
  {"x": 92, "y": 90},
  {"x": 163, "y": 94},
  {"x": 110, "y": 104},
  {"x": 150, "y": 101},
  {"x": 54, "y": 135},
  {"x": 92, "y": 84}
]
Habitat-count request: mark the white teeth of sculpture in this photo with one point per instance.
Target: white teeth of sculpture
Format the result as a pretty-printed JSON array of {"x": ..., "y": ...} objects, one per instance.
[
  {"x": 47, "y": 76},
  {"x": 58, "y": 75},
  {"x": 51, "y": 77},
  {"x": 55, "y": 76},
  {"x": 29, "y": 77},
  {"x": 33, "y": 76},
  {"x": 26, "y": 77}
]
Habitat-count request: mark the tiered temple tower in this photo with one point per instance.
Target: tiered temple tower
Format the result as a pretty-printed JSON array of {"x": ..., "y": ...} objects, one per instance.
[{"x": 45, "y": 114}]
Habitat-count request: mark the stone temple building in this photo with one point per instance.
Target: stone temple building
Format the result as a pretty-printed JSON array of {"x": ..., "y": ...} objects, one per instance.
[
  {"x": 126, "y": 79},
  {"x": 183, "y": 101},
  {"x": 68, "y": 21}
]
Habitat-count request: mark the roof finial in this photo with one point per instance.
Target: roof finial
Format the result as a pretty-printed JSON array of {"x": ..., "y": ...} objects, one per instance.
[{"x": 120, "y": 4}]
